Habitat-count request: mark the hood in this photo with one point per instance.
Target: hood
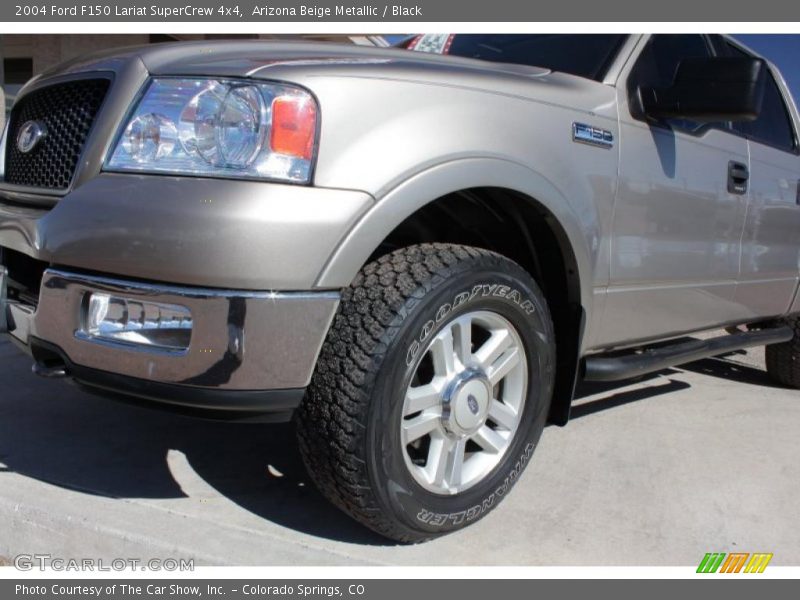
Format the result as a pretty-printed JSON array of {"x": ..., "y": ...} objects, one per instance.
[
  {"x": 263, "y": 59},
  {"x": 227, "y": 58},
  {"x": 307, "y": 63}
]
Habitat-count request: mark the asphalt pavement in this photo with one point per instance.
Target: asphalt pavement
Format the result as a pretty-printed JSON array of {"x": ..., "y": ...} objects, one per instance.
[{"x": 655, "y": 472}]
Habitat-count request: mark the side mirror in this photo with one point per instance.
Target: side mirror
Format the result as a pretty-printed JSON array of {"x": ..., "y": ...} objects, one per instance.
[{"x": 708, "y": 90}]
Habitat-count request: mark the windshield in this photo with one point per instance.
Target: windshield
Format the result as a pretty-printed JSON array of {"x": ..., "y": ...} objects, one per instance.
[{"x": 584, "y": 55}]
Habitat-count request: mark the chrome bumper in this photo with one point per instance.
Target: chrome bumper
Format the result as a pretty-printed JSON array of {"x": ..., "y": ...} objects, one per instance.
[{"x": 240, "y": 340}]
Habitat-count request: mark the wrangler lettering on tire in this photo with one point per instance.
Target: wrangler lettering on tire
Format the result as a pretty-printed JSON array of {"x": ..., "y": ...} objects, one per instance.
[{"x": 431, "y": 390}]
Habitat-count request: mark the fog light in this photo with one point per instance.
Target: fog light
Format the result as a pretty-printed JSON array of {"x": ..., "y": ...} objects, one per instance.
[{"x": 137, "y": 322}]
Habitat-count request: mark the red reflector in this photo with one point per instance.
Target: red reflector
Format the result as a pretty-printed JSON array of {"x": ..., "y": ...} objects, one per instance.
[{"x": 294, "y": 123}]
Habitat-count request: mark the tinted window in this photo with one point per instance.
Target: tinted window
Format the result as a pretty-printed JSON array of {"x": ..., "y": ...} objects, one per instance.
[
  {"x": 658, "y": 63},
  {"x": 578, "y": 54},
  {"x": 659, "y": 60},
  {"x": 773, "y": 126}
]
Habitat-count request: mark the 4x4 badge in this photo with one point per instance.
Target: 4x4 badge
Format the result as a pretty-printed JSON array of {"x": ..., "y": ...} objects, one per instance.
[{"x": 30, "y": 134}]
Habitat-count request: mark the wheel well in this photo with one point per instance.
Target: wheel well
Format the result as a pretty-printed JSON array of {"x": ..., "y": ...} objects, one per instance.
[{"x": 523, "y": 230}]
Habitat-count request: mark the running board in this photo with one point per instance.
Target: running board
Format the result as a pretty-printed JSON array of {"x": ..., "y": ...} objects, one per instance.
[{"x": 627, "y": 366}]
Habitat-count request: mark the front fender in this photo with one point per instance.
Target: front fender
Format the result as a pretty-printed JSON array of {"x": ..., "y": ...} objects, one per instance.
[{"x": 403, "y": 200}]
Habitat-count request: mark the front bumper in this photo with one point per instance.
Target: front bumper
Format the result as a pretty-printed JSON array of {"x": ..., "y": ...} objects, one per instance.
[
  {"x": 249, "y": 352},
  {"x": 234, "y": 254}
]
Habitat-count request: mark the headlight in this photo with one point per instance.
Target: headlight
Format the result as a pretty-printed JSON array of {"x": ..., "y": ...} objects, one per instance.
[{"x": 221, "y": 128}]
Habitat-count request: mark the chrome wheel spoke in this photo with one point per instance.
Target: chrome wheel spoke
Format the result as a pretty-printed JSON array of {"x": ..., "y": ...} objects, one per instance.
[
  {"x": 503, "y": 366},
  {"x": 446, "y": 461},
  {"x": 436, "y": 464},
  {"x": 488, "y": 439},
  {"x": 456, "y": 463},
  {"x": 421, "y": 398},
  {"x": 443, "y": 354},
  {"x": 422, "y": 425},
  {"x": 462, "y": 334},
  {"x": 493, "y": 348},
  {"x": 502, "y": 414}
]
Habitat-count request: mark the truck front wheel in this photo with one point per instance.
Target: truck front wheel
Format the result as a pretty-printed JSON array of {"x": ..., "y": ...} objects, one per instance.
[{"x": 431, "y": 390}]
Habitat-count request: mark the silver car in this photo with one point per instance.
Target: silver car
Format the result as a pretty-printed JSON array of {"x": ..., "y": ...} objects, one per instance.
[{"x": 415, "y": 252}]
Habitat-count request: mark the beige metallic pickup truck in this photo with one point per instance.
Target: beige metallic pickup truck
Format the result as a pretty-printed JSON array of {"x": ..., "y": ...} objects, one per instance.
[{"x": 415, "y": 253}]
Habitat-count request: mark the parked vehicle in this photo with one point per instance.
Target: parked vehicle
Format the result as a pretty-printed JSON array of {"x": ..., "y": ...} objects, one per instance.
[{"x": 415, "y": 254}]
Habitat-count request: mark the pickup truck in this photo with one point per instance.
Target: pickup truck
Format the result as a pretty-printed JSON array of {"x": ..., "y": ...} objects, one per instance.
[{"x": 413, "y": 253}]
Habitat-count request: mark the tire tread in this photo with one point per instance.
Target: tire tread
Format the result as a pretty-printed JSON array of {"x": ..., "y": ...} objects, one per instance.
[{"x": 331, "y": 421}]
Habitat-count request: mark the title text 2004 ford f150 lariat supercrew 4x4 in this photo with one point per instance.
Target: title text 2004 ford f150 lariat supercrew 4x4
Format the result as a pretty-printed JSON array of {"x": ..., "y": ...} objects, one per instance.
[{"x": 414, "y": 252}]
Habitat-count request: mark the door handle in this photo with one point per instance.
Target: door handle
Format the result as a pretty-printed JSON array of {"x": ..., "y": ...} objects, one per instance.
[{"x": 738, "y": 176}]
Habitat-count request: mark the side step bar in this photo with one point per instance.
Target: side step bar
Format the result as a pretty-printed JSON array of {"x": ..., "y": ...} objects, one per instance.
[{"x": 627, "y": 366}]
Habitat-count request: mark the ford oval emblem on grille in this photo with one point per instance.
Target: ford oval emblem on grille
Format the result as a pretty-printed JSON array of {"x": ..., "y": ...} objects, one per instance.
[{"x": 29, "y": 136}]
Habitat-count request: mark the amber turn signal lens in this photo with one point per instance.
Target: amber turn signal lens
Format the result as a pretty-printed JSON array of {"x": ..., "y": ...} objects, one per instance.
[{"x": 294, "y": 124}]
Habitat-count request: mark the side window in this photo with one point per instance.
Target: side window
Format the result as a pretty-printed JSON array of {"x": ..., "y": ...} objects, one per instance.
[
  {"x": 774, "y": 125},
  {"x": 658, "y": 62}
]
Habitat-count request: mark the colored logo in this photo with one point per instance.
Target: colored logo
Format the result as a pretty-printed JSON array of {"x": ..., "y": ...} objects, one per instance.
[
  {"x": 29, "y": 135},
  {"x": 735, "y": 562}
]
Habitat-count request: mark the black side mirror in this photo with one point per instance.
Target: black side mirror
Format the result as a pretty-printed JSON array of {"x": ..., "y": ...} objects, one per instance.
[{"x": 707, "y": 90}]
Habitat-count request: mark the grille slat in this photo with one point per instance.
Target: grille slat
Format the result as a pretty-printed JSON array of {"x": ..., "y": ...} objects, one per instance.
[{"x": 67, "y": 111}]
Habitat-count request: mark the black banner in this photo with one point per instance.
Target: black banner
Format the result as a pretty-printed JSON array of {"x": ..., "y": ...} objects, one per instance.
[
  {"x": 389, "y": 589},
  {"x": 416, "y": 11}
]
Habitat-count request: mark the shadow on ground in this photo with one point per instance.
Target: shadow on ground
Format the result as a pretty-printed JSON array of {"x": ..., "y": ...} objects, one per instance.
[
  {"x": 54, "y": 432},
  {"x": 58, "y": 434},
  {"x": 719, "y": 366}
]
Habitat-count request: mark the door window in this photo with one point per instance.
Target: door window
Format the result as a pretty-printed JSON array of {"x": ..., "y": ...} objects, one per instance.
[
  {"x": 773, "y": 126},
  {"x": 656, "y": 67}
]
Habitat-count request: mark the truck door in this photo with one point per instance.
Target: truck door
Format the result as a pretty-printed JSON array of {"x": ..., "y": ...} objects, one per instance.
[
  {"x": 771, "y": 239},
  {"x": 676, "y": 232}
]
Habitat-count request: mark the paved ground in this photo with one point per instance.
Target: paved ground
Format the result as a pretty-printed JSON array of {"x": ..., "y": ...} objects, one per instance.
[{"x": 654, "y": 473}]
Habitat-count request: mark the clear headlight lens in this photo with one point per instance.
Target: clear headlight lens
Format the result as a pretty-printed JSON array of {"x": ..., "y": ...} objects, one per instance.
[
  {"x": 149, "y": 137},
  {"x": 219, "y": 127},
  {"x": 240, "y": 127}
]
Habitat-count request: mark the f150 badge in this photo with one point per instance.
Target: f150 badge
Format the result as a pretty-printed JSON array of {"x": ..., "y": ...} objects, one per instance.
[{"x": 594, "y": 136}]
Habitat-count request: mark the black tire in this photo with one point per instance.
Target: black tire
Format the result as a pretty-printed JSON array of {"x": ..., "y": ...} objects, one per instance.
[
  {"x": 783, "y": 360},
  {"x": 348, "y": 423}
]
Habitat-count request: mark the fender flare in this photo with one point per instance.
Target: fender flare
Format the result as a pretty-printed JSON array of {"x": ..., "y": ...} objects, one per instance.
[{"x": 400, "y": 202}]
